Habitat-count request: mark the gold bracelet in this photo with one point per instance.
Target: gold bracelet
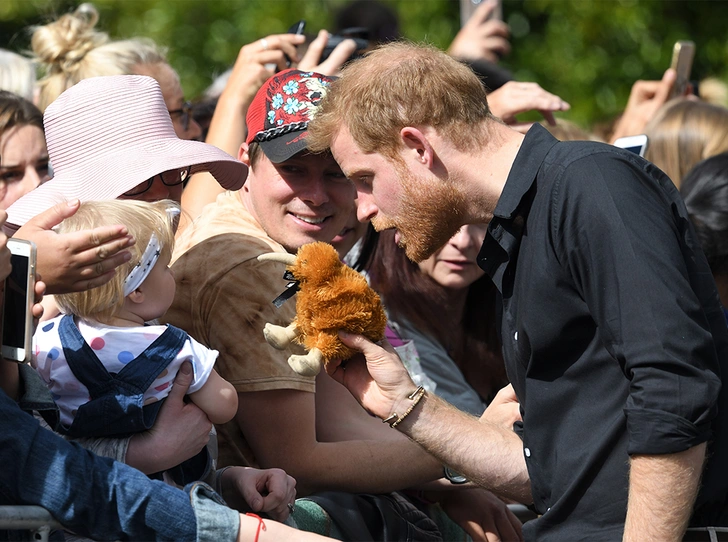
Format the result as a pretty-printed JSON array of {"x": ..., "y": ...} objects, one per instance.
[{"x": 394, "y": 419}]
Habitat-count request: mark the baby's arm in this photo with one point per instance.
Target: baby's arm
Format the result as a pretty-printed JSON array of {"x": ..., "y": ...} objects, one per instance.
[{"x": 217, "y": 398}]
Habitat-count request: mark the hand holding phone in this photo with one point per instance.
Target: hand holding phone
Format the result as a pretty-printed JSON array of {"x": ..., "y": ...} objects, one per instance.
[
  {"x": 18, "y": 300},
  {"x": 468, "y": 8},
  {"x": 683, "y": 53},
  {"x": 484, "y": 35}
]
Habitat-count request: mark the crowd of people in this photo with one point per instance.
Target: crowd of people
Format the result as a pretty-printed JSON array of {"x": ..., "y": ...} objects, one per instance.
[{"x": 557, "y": 323}]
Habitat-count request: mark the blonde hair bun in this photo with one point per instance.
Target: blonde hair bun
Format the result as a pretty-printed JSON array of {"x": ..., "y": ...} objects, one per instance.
[{"x": 62, "y": 44}]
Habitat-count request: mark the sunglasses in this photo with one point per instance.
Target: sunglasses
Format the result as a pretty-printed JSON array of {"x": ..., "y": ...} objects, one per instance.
[
  {"x": 173, "y": 177},
  {"x": 185, "y": 111}
]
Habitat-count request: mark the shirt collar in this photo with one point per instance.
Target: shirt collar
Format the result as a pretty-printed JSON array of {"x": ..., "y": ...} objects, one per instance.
[{"x": 536, "y": 145}]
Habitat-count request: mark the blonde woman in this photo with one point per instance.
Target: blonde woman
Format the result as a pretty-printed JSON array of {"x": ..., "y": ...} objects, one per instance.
[
  {"x": 683, "y": 133},
  {"x": 69, "y": 50}
]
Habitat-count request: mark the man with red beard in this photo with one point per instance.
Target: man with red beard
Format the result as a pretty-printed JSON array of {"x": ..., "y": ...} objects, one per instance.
[
  {"x": 225, "y": 297},
  {"x": 612, "y": 333}
]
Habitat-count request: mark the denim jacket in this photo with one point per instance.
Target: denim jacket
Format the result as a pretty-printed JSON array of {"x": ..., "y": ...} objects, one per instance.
[{"x": 95, "y": 496}]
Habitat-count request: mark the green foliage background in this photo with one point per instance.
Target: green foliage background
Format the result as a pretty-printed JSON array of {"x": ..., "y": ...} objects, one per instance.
[{"x": 587, "y": 51}]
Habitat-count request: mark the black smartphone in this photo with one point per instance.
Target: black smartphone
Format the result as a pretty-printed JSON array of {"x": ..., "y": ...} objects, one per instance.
[
  {"x": 360, "y": 35},
  {"x": 296, "y": 28},
  {"x": 18, "y": 299}
]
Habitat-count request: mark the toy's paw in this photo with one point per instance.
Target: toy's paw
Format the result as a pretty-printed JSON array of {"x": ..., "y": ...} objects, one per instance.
[
  {"x": 308, "y": 365},
  {"x": 279, "y": 337}
]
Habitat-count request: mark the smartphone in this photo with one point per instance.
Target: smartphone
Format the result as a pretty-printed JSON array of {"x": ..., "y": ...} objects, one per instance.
[
  {"x": 468, "y": 7},
  {"x": 636, "y": 144},
  {"x": 18, "y": 299},
  {"x": 682, "y": 62}
]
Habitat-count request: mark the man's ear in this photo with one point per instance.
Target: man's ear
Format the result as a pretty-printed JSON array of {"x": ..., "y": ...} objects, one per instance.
[
  {"x": 243, "y": 155},
  {"x": 137, "y": 296},
  {"x": 417, "y": 144}
]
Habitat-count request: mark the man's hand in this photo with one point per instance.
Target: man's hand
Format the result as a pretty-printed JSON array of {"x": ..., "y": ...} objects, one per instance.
[
  {"x": 504, "y": 410},
  {"x": 73, "y": 262},
  {"x": 179, "y": 433},
  {"x": 645, "y": 99},
  {"x": 481, "y": 514},
  {"x": 514, "y": 97},
  {"x": 481, "y": 37},
  {"x": 378, "y": 380},
  {"x": 268, "y": 491}
]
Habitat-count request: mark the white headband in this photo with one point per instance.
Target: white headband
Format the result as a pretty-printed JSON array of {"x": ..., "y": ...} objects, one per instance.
[{"x": 141, "y": 270}]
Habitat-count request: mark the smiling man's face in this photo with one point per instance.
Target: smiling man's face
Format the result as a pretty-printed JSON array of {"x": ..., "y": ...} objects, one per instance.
[
  {"x": 425, "y": 211},
  {"x": 304, "y": 199}
]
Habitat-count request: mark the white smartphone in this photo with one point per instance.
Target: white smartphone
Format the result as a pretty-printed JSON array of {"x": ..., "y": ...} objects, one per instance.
[
  {"x": 682, "y": 62},
  {"x": 467, "y": 7},
  {"x": 19, "y": 295},
  {"x": 636, "y": 144}
]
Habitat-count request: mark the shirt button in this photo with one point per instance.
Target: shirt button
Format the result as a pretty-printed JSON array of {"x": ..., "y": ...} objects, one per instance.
[
  {"x": 515, "y": 336},
  {"x": 527, "y": 452}
]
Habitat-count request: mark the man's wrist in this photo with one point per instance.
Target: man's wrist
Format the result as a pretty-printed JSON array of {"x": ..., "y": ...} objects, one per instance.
[{"x": 409, "y": 403}]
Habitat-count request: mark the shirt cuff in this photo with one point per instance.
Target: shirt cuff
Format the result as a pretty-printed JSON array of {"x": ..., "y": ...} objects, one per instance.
[
  {"x": 215, "y": 521},
  {"x": 656, "y": 432}
]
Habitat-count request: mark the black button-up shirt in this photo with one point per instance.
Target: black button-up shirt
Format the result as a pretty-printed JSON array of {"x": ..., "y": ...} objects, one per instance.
[{"x": 613, "y": 334}]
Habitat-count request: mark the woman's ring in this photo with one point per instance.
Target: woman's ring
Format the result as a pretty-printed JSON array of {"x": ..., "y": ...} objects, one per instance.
[
  {"x": 291, "y": 507},
  {"x": 264, "y": 43}
]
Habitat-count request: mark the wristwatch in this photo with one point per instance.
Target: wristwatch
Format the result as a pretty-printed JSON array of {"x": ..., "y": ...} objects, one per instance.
[{"x": 454, "y": 477}]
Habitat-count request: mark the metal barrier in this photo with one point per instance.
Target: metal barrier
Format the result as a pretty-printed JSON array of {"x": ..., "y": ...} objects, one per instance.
[{"x": 35, "y": 519}]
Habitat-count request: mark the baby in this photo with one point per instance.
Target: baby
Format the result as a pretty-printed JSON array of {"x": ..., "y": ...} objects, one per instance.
[{"x": 108, "y": 370}]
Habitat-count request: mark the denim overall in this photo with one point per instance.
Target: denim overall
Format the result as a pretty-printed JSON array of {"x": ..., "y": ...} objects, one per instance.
[{"x": 116, "y": 408}]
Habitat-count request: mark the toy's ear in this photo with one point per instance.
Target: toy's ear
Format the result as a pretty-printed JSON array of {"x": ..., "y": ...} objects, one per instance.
[{"x": 282, "y": 257}]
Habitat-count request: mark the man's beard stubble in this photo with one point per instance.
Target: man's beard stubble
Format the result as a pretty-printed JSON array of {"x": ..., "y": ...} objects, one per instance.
[{"x": 431, "y": 213}]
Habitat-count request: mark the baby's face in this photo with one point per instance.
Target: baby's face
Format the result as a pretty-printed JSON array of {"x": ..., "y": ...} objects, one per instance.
[{"x": 158, "y": 289}]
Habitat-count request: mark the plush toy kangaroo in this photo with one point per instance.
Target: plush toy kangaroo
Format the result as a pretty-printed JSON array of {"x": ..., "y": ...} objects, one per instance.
[{"x": 331, "y": 297}]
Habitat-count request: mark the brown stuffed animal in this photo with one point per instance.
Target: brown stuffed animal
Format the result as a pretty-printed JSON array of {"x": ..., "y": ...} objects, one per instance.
[{"x": 332, "y": 297}]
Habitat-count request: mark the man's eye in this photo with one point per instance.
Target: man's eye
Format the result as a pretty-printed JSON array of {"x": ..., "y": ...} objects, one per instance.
[{"x": 337, "y": 176}]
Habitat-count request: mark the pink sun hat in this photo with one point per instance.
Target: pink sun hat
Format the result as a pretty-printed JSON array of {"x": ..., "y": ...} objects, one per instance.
[{"x": 106, "y": 135}]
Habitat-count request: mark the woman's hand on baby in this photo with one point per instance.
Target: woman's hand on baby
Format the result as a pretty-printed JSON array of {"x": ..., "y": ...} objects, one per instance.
[
  {"x": 269, "y": 491},
  {"x": 73, "y": 262}
]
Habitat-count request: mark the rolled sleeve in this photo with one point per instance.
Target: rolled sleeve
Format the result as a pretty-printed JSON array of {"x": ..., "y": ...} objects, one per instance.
[{"x": 215, "y": 521}]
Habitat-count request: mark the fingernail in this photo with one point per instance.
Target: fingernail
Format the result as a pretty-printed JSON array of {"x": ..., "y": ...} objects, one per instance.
[
  {"x": 74, "y": 203},
  {"x": 186, "y": 368},
  {"x": 127, "y": 256}
]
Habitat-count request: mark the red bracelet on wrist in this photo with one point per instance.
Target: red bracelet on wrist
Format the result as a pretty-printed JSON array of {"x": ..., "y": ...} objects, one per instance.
[{"x": 261, "y": 525}]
